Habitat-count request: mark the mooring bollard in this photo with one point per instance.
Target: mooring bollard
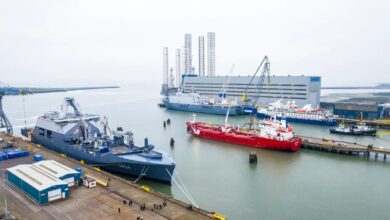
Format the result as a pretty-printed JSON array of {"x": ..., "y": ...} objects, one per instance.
[
  {"x": 172, "y": 142},
  {"x": 252, "y": 157}
]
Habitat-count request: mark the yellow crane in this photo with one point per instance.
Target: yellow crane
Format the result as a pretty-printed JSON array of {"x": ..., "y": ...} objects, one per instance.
[{"x": 265, "y": 73}]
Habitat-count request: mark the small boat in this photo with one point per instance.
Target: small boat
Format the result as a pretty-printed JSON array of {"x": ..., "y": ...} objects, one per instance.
[
  {"x": 357, "y": 130},
  {"x": 360, "y": 129}
]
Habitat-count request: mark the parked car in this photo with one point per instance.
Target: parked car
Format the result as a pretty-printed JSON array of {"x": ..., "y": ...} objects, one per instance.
[{"x": 342, "y": 144}]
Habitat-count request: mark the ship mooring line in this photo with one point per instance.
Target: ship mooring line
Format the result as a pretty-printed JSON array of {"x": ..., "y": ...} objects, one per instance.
[
  {"x": 143, "y": 172},
  {"x": 181, "y": 189},
  {"x": 182, "y": 183}
]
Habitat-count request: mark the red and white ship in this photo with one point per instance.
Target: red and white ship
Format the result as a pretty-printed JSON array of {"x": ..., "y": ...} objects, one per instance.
[{"x": 269, "y": 134}]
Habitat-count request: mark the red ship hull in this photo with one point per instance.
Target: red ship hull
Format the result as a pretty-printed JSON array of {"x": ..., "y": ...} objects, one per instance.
[{"x": 242, "y": 138}]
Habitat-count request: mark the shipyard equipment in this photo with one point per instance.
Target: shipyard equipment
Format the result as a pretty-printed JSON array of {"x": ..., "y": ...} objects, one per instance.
[
  {"x": 265, "y": 73},
  {"x": 4, "y": 122}
]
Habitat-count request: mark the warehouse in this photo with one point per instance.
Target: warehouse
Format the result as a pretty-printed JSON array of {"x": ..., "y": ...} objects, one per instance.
[
  {"x": 36, "y": 184},
  {"x": 60, "y": 171},
  {"x": 354, "y": 110}
]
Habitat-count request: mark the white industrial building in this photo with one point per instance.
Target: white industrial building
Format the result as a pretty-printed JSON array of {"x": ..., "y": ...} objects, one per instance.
[{"x": 301, "y": 89}]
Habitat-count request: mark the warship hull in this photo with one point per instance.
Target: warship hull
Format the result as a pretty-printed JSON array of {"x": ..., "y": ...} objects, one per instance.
[{"x": 131, "y": 164}]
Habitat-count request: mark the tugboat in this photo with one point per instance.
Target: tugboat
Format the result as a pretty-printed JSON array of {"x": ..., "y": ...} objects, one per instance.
[
  {"x": 268, "y": 134},
  {"x": 357, "y": 130},
  {"x": 85, "y": 137}
]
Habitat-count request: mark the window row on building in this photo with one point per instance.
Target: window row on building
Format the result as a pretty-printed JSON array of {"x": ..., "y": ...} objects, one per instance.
[
  {"x": 244, "y": 84},
  {"x": 263, "y": 96},
  {"x": 236, "y": 93}
]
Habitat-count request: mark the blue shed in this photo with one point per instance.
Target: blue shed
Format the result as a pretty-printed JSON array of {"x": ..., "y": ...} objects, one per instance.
[{"x": 36, "y": 184}]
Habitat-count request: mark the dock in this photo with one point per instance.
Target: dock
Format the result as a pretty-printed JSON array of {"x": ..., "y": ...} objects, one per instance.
[
  {"x": 342, "y": 147},
  {"x": 121, "y": 199},
  {"x": 31, "y": 90}
]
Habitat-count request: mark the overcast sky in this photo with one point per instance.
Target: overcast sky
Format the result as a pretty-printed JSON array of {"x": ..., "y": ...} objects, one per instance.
[{"x": 69, "y": 43}]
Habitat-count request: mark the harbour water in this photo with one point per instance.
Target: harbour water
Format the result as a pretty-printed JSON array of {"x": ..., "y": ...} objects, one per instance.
[{"x": 301, "y": 185}]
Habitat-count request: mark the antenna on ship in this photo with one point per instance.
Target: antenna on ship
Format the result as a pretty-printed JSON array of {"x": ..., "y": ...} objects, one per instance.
[
  {"x": 106, "y": 128},
  {"x": 23, "y": 93},
  {"x": 223, "y": 92},
  {"x": 227, "y": 116}
]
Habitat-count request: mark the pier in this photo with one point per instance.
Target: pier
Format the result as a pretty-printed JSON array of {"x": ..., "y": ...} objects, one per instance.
[
  {"x": 341, "y": 147},
  {"x": 29, "y": 90},
  {"x": 116, "y": 198}
]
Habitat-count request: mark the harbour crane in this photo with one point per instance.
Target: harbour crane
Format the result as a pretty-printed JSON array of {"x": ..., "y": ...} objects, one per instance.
[
  {"x": 250, "y": 106},
  {"x": 4, "y": 122},
  {"x": 265, "y": 74}
]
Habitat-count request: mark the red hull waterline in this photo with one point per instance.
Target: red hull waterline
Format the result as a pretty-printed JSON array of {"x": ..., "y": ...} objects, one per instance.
[{"x": 242, "y": 138}]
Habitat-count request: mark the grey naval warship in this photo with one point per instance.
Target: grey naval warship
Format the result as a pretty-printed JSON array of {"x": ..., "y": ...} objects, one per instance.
[{"x": 87, "y": 137}]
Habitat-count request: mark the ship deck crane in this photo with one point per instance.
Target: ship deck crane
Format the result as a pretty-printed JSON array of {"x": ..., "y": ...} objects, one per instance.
[{"x": 265, "y": 73}]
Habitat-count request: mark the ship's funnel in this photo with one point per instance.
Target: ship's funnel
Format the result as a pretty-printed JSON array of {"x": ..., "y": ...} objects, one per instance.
[{"x": 146, "y": 142}]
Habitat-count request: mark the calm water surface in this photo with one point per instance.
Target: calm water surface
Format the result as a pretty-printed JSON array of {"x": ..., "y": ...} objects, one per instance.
[{"x": 301, "y": 185}]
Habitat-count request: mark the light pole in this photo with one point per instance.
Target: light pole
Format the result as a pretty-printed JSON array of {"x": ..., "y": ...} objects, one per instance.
[{"x": 5, "y": 197}]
